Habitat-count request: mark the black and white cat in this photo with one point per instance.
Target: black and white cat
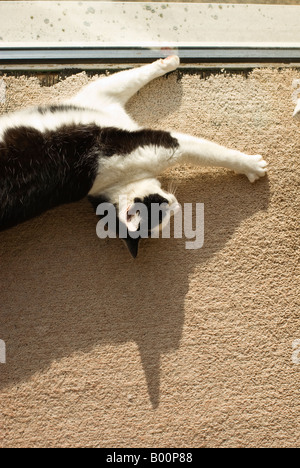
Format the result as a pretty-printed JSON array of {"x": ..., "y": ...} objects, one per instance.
[{"x": 89, "y": 145}]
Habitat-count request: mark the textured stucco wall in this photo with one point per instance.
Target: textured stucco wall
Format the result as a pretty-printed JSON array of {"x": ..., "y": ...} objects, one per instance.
[{"x": 178, "y": 348}]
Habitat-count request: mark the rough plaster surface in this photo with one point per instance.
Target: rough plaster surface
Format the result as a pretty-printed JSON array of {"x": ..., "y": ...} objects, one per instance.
[{"x": 178, "y": 348}]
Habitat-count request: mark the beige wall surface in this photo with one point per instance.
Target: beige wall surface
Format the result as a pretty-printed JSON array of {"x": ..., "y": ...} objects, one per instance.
[{"x": 178, "y": 348}]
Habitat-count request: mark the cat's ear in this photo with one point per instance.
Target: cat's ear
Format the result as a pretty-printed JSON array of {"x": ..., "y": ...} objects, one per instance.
[{"x": 132, "y": 245}]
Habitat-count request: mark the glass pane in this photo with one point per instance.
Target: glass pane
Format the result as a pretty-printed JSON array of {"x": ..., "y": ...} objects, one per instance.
[
  {"x": 149, "y": 28},
  {"x": 146, "y": 22}
]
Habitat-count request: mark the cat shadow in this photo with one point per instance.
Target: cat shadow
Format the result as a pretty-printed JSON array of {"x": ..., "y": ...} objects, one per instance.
[{"x": 63, "y": 290}]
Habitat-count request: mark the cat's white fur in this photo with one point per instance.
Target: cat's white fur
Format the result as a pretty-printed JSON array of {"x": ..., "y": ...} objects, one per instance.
[{"x": 135, "y": 175}]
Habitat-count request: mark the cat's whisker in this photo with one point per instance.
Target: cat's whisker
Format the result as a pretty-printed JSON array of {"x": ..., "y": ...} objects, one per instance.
[{"x": 172, "y": 188}]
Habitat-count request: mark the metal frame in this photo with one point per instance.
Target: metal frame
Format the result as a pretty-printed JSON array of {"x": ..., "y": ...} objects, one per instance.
[
  {"x": 242, "y": 34},
  {"x": 88, "y": 54}
]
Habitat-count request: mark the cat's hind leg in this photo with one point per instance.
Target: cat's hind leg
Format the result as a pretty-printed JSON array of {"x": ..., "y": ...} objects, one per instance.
[{"x": 121, "y": 86}]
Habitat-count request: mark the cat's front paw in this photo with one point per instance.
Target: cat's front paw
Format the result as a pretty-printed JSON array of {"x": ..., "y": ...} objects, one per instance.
[
  {"x": 255, "y": 167},
  {"x": 170, "y": 63}
]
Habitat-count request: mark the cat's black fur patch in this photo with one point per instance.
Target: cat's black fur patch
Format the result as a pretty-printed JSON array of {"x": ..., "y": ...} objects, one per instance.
[
  {"x": 132, "y": 245},
  {"x": 117, "y": 141},
  {"x": 40, "y": 170},
  {"x": 148, "y": 201}
]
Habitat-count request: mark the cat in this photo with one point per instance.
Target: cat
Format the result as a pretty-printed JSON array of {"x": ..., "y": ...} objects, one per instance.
[{"x": 89, "y": 146}]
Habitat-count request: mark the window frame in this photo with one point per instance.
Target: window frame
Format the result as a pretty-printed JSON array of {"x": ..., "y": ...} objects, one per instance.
[{"x": 33, "y": 52}]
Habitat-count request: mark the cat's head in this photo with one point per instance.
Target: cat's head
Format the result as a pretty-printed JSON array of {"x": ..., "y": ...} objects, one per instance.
[{"x": 142, "y": 208}]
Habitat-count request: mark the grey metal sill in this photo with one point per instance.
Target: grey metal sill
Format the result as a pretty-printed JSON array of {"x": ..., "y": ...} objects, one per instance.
[{"x": 203, "y": 54}]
